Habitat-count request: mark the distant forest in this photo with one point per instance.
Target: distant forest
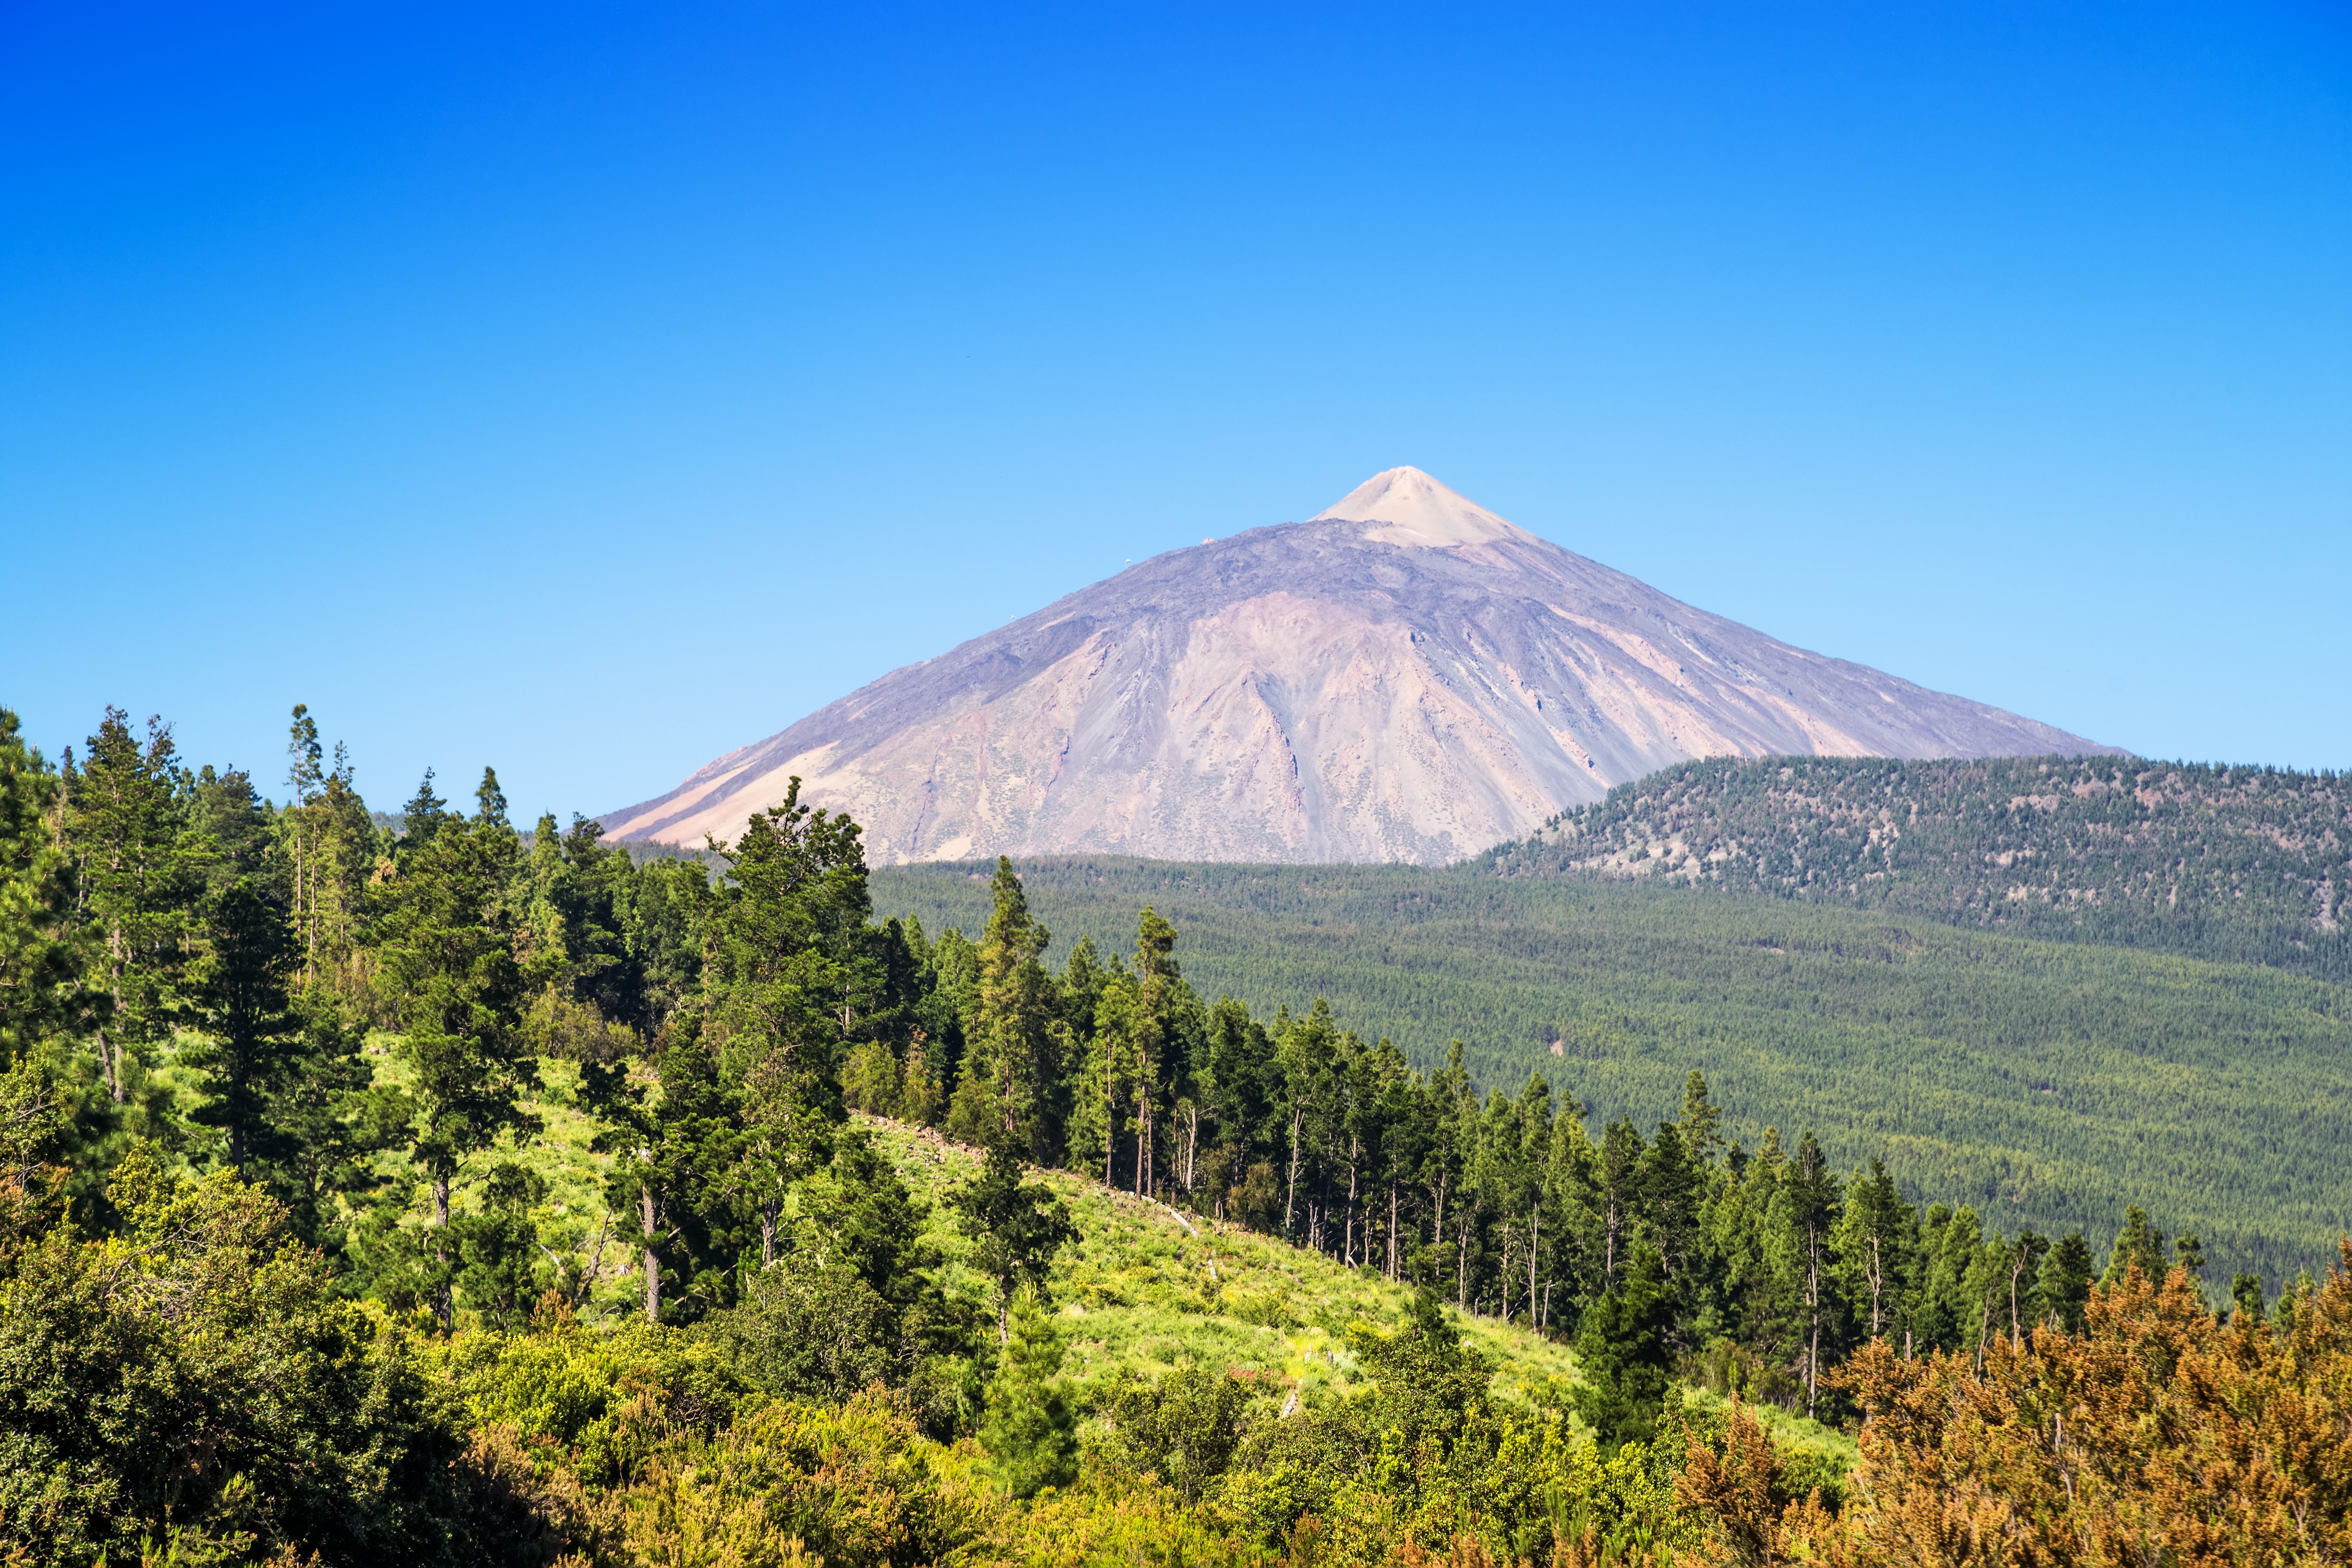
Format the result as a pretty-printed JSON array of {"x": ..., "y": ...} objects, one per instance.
[
  {"x": 2252, "y": 865},
  {"x": 2052, "y": 1085}
]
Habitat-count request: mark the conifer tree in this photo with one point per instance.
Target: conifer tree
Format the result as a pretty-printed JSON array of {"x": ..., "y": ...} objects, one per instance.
[
  {"x": 1873, "y": 1243},
  {"x": 40, "y": 961},
  {"x": 1623, "y": 1353},
  {"x": 1014, "y": 1037},
  {"x": 238, "y": 984},
  {"x": 140, "y": 872},
  {"x": 1017, "y": 1226},
  {"x": 2137, "y": 1246},
  {"x": 448, "y": 952},
  {"x": 1030, "y": 1429}
]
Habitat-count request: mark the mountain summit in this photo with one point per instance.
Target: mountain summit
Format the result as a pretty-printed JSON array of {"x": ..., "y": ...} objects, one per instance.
[{"x": 1404, "y": 677}]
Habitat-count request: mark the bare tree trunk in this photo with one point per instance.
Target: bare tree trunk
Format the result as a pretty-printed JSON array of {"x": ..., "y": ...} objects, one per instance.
[
  {"x": 2016, "y": 1337},
  {"x": 1813, "y": 1311},
  {"x": 652, "y": 1217},
  {"x": 1534, "y": 1242},
  {"x": 1609, "y": 1247},
  {"x": 1462, "y": 1264},
  {"x": 111, "y": 1052},
  {"x": 1192, "y": 1142},
  {"x": 1290, "y": 1194},
  {"x": 1392, "y": 1271},
  {"x": 444, "y": 1308},
  {"x": 1355, "y": 1152}
]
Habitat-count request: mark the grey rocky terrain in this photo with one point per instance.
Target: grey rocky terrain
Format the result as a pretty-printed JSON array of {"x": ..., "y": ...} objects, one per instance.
[{"x": 1406, "y": 677}]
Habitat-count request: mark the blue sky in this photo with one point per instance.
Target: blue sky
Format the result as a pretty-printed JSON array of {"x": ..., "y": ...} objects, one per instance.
[{"x": 590, "y": 389}]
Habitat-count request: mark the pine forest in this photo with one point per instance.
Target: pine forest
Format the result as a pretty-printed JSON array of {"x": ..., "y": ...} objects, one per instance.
[{"x": 420, "y": 1184}]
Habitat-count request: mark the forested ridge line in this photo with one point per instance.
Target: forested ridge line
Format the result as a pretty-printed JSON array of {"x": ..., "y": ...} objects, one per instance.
[
  {"x": 2053, "y": 1085},
  {"x": 2244, "y": 864}
]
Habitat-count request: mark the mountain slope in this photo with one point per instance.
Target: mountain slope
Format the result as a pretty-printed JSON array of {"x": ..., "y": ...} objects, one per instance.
[
  {"x": 2051, "y": 1084},
  {"x": 2250, "y": 864},
  {"x": 1406, "y": 677}
]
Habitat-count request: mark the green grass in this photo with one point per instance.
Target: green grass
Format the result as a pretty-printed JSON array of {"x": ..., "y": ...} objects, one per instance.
[
  {"x": 1144, "y": 1289},
  {"x": 2050, "y": 1084}
]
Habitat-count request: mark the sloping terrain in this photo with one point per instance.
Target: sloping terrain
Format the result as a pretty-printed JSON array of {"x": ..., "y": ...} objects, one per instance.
[
  {"x": 2250, "y": 864},
  {"x": 2051, "y": 1084},
  {"x": 1406, "y": 677}
]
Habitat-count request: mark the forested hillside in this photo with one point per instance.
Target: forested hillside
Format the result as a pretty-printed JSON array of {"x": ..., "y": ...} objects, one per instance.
[
  {"x": 454, "y": 1194},
  {"x": 2244, "y": 864},
  {"x": 2052, "y": 1085}
]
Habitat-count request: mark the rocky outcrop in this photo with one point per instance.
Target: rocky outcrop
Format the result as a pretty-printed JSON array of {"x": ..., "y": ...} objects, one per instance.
[{"x": 1406, "y": 677}]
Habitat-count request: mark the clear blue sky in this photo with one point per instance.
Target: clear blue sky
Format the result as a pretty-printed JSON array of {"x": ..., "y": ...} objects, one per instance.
[{"x": 590, "y": 389}]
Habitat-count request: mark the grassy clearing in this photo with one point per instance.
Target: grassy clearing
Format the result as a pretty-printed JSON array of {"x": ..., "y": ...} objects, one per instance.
[{"x": 1145, "y": 1289}]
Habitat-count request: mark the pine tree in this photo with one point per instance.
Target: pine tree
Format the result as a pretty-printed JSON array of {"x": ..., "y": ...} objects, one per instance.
[
  {"x": 1029, "y": 1428},
  {"x": 1621, "y": 1353},
  {"x": 2137, "y": 1246},
  {"x": 2064, "y": 1285},
  {"x": 140, "y": 872},
  {"x": 448, "y": 952},
  {"x": 238, "y": 985},
  {"x": 1875, "y": 1243},
  {"x": 1014, "y": 1035},
  {"x": 1017, "y": 1226},
  {"x": 40, "y": 959}
]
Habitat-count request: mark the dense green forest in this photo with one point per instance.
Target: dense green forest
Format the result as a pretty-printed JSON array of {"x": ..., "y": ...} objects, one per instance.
[
  {"x": 2050, "y": 1085},
  {"x": 419, "y": 1187},
  {"x": 2252, "y": 865}
]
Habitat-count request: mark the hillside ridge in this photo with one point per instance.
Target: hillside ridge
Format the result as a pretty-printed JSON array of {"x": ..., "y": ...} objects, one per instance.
[{"x": 2236, "y": 863}]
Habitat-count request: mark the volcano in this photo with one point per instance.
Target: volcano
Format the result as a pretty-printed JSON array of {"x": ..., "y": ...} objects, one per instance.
[{"x": 1406, "y": 675}]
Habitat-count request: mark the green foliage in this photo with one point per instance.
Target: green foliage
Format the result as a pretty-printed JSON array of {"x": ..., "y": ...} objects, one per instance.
[
  {"x": 38, "y": 961},
  {"x": 2055, "y": 1084},
  {"x": 1016, "y": 1227},
  {"x": 1623, "y": 1353},
  {"x": 198, "y": 1368},
  {"x": 449, "y": 954},
  {"x": 2243, "y": 864},
  {"x": 1030, "y": 1430},
  {"x": 1185, "y": 1428}
]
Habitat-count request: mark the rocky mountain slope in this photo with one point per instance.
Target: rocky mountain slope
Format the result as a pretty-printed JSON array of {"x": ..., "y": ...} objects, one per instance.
[
  {"x": 2252, "y": 864},
  {"x": 1405, "y": 676}
]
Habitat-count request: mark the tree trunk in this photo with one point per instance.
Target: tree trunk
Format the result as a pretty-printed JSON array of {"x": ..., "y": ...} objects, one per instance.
[
  {"x": 1290, "y": 1192},
  {"x": 1535, "y": 1240},
  {"x": 444, "y": 1308},
  {"x": 1462, "y": 1264},
  {"x": 114, "y": 1059},
  {"x": 1813, "y": 1313},
  {"x": 1393, "y": 1271},
  {"x": 768, "y": 1233},
  {"x": 1355, "y": 1154},
  {"x": 651, "y": 1216}
]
